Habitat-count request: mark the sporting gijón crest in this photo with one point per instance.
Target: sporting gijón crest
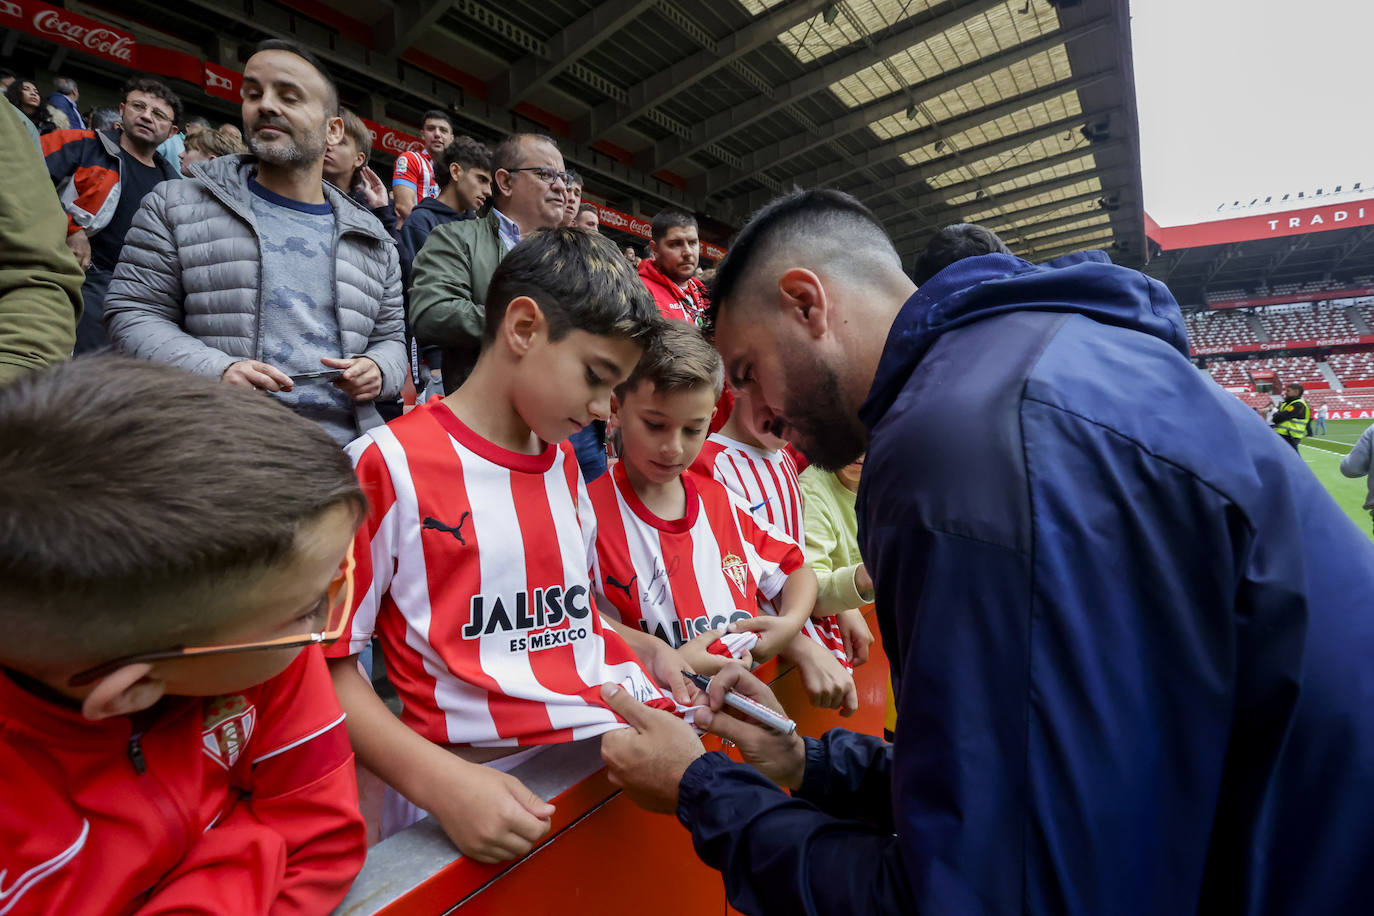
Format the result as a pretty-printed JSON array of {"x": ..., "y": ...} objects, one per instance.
[
  {"x": 228, "y": 725},
  {"x": 736, "y": 569}
]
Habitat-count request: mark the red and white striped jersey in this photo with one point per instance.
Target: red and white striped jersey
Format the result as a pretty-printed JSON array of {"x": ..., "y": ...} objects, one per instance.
[
  {"x": 678, "y": 579},
  {"x": 472, "y": 570},
  {"x": 415, "y": 170},
  {"x": 767, "y": 481}
]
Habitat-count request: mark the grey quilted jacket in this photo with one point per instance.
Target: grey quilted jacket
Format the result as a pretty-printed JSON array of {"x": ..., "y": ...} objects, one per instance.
[{"x": 186, "y": 290}]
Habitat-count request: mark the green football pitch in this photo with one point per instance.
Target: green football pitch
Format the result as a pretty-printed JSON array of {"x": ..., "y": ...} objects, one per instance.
[{"x": 1323, "y": 455}]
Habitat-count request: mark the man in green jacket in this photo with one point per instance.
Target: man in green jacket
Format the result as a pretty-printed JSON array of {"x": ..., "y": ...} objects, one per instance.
[
  {"x": 452, "y": 271},
  {"x": 1290, "y": 420},
  {"x": 40, "y": 281}
]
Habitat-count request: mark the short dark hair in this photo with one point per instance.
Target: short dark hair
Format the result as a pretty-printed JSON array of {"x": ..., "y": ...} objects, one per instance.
[
  {"x": 102, "y": 118},
  {"x": 198, "y": 121},
  {"x": 575, "y": 178},
  {"x": 670, "y": 219},
  {"x": 1297, "y": 385},
  {"x": 954, "y": 243},
  {"x": 132, "y": 490},
  {"x": 64, "y": 84},
  {"x": 157, "y": 89},
  {"x": 436, "y": 114},
  {"x": 510, "y": 152},
  {"x": 791, "y": 215},
  {"x": 466, "y": 152},
  {"x": 678, "y": 358},
  {"x": 581, "y": 282},
  {"x": 331, "y": 105},
  {"x": 588, "y": 207}
]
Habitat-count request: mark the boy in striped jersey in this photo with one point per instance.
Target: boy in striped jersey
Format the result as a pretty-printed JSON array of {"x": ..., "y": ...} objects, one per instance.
[
  {"x": 677, "y": 554},
  {"x": 474, "y": 557},
  {"x": 756, "y": 467}
]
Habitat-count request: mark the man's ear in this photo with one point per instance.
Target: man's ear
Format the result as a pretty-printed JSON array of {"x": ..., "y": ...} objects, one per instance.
[
  {"x": 523, "y": 322},
  {"x": 455, "y": 171},
  {"x": 502, "y": 180},
  {"x": 615, "y": 405},
  {"x": 801, "y": 296},
  {"x": 123, "y": 692},
  {"x": 333, "y": 130}
]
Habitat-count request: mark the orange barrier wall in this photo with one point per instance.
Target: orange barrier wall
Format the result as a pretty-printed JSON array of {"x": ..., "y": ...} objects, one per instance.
[{"x": 605, "y": 855}]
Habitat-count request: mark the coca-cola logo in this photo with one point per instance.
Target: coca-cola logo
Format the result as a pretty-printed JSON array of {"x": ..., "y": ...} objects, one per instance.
[
  {"x": 11, "y": 9},
  {"x": 614, "y": 218},
  {"x": 98, "y": 39},
  {"x": 214, "y": 80},
  {"x": 393, "y": 142}
]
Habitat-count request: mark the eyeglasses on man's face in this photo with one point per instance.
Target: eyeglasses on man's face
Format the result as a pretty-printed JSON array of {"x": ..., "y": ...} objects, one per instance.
[
  {"x": 334, "y": 610},
  {"x": 546, "y": 174},
  {"x": 138, "y": 107}
]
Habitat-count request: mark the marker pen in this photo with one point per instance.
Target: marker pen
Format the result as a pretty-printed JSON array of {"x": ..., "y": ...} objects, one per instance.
[{"x": 751, "y": 708}]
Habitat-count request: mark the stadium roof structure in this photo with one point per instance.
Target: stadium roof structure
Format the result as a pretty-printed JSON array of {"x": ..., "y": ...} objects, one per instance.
[
  {"x": 1264, "y": 255},
  {"x": 1017, "y": 114}
]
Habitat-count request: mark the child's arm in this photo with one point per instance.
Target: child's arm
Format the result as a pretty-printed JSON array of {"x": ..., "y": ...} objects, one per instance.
[
  {"x": 827, "y": 683},
  {"x": 794, "y": 603},
  {"x": 489, "y": 815}
]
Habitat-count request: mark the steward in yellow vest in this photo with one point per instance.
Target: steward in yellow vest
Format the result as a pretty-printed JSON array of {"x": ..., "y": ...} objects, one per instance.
[{"x": 1290, "y": 420}]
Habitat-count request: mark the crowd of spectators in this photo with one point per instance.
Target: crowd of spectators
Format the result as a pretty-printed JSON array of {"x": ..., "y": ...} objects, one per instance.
[{"x": 258, "y": 299}]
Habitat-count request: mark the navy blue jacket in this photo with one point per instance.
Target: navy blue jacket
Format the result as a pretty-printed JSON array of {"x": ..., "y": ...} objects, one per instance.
[
  {"x": 428, "y": 215},
  {"x": 1132, "y": 636}
]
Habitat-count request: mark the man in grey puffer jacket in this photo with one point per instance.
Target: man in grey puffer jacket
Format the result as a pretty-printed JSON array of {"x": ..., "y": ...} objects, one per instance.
[{"x": 256, "y": 271}]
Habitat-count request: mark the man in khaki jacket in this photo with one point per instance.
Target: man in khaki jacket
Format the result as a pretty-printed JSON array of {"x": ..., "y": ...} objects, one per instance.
[
  {"x": 453, "y": 269},
  {"x": 40, "y": 281}
]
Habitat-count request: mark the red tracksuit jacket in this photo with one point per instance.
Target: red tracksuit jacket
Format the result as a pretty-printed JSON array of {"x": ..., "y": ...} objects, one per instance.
[{"x": 240, "y": 804}]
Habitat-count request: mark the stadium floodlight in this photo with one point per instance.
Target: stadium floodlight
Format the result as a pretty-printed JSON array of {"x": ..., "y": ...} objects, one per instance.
[{"x": 832, "y": 12}]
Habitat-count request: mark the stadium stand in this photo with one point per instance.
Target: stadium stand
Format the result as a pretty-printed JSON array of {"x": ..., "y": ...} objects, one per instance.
[
  {"x": 1302, "y": 369},
  {"x": 1306, "y": 322},
  {"x": 1349, "y": 399},
  {"x": 1218, "y": 329},
  {"x": 1256, "y": 400},
  {"x": 1353, "y": 367},
  {"x": 1229, "y": 373}
]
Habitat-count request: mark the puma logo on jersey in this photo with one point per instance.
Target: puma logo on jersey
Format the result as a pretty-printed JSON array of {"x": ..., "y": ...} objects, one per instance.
[
  {"x": 610, "y": 580},
  {"x": 456, "y": 530},
  {"x": 24, "y": 883}
]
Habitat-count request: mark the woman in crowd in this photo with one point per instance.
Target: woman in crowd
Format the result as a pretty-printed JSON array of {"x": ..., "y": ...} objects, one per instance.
[{"x": 24, "y": 95}]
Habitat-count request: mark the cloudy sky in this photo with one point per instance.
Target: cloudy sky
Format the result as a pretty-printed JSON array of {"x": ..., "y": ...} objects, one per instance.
[{"x": 1241, "y": 99}]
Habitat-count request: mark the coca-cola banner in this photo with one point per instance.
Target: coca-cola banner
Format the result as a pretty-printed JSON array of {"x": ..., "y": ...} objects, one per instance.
[
  {"x": 391, "y": 140},
  {"x": 68, "y": 28},
  {"x": 223, "y": 82}
]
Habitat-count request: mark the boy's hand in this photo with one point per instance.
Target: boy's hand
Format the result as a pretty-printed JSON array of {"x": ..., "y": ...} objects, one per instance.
[
  {"x": 774, "y": 633},
  {"x": 489, "y": 815},
  {"x": 827, "y": 683},
  {"x": 647, "y": 759},
  {"x": 782, "y": 758},
  {"x": 696, "y": 653},
  {"x": 857, "y": 636},
  {"x": 665, "y": 665}
]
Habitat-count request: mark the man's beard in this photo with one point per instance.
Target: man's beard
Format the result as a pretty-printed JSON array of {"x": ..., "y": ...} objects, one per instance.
[
  {"x": 822, "y": 427},
  {"x": 294, "y": 152}
]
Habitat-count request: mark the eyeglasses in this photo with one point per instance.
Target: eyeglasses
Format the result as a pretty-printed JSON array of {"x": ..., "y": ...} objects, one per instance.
[
  {"x": 157, "y": 114},
  {"x": 547, "y": 175},
  {"x": 339, "y": 596}
]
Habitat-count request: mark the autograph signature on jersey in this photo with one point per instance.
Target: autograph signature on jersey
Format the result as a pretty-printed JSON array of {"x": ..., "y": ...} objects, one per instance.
[
  {"x": 658, "y": 584},
  {"x": 455, "y": 530}
]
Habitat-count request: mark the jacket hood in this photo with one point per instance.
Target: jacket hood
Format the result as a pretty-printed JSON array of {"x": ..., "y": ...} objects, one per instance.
[
  {"x": 1085, "y": 283},
  {"x": 227, "y": 178}
]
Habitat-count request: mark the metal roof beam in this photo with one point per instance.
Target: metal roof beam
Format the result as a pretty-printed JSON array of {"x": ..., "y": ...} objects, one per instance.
[
  {"x": 906, "y": 143},
  {"x": 1099, "y": 245},
  {"x": 695, "y": 67},
  {"x": 946, "y": 193},
  {"x": 1057, "y": 239},
  {"x": 408, "y": 21},
  {"x": 1020, "y": 231},
  {"x": 563, "y": 50},
  {"x": 667, "y": 151},
  {"x": 916, "y": 175},
  {"x": 997, "y": 223},
  {"x": 1028, "y": 192}
]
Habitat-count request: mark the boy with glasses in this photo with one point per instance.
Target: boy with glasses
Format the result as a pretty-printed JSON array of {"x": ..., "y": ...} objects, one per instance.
[
  {"x": 102, "y": 178},
  {"x": 168, "y": 732}
]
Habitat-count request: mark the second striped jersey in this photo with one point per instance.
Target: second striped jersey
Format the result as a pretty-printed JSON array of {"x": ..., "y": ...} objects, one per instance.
[{"x": 472, "y": 570}]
